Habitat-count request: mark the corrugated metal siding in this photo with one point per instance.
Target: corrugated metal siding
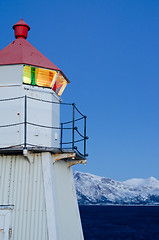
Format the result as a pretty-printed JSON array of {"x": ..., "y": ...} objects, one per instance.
[{"x": 21, "y": 183}]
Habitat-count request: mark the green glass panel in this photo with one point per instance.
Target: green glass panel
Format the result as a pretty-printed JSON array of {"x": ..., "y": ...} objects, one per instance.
[{"x": 33, "y": 76}]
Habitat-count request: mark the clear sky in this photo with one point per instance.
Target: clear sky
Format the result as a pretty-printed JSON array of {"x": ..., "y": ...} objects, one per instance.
[{"x": 109, "y": 49}]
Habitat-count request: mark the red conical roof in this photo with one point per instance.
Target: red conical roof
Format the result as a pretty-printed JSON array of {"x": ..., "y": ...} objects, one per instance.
[{"x": 20, "y": 51}]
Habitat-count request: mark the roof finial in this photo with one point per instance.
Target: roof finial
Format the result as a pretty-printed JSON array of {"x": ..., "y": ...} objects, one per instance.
[{"x": 21, "y": 29}]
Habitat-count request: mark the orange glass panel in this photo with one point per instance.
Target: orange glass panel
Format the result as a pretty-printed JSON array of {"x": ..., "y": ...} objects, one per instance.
[
  {"x": 60, "y": 84},
  {"x": 44, "y": 77}
]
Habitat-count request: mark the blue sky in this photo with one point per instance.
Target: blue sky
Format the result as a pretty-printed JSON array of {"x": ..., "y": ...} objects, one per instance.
[{"x": 110, "y": 52}]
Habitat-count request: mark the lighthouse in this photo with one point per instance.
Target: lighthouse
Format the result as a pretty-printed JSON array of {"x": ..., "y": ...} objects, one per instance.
[{"x": 37, "y": 147}]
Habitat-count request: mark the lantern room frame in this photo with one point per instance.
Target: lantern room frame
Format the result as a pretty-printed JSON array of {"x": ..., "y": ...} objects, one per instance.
[{"x": 46, "y": 78}]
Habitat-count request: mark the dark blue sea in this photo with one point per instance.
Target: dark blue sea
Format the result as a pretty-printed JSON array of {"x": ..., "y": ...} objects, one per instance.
[{"x": 120, "y": 222}]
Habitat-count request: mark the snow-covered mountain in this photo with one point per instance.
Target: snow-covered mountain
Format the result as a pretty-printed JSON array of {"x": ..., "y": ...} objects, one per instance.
[{"x": 92, "y": 189}]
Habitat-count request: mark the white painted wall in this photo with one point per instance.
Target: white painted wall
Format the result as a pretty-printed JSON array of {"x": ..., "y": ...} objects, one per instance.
[
  {"x": 42, "y": 113},
  {"x": 37, "y": 112},
  {"x": 11, "y": 112},
  {"x": 11, "y": 75}
]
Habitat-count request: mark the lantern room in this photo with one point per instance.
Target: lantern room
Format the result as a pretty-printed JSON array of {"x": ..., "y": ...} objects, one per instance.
[{"x": 38, "y": 70}]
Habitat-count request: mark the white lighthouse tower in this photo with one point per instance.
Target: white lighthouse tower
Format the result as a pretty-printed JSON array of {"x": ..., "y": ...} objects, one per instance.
[{"x": 37, "y": 194}]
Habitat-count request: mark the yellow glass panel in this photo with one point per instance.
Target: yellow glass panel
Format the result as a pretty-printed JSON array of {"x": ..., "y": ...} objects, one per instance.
[{"x": 27, "y": 75}]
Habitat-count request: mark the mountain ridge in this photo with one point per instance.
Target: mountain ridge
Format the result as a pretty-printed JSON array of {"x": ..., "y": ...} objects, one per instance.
[{"x": 95, "y": 190}]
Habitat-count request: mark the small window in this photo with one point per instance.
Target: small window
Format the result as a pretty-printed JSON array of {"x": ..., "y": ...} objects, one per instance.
[{"x": 44, "y": 78}]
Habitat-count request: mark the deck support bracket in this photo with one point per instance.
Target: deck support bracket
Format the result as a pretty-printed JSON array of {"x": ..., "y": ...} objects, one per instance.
[
  {"x": 70, "y": 158},
  {"x": 64, "y": 156},
  {"x": 74, "y": 162}
]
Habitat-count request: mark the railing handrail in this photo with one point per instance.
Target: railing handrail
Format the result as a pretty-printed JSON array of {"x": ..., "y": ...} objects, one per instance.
[
  {"x": 10, "y": 99},
  {"x": 47, "y": 101},
  {"x": 62, "y": 128}
]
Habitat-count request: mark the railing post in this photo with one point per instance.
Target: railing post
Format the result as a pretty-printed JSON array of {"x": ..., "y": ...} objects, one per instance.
[
  {"x": 73, "y": 127},
  {"x": 85, "y": 137},
  {"x": 25, "y": 121},
  {"x": 61, "y": 135}
]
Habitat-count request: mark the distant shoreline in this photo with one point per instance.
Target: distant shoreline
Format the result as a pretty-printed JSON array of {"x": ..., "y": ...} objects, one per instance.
[{"x": 118, "y": 205}]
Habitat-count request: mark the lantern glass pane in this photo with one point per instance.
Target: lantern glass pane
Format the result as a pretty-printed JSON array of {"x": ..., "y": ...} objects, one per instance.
[
  {"x": 27, "y": 75},
  {"x": 44, "y": 77},
  {"x": 60, "y": 84}
]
